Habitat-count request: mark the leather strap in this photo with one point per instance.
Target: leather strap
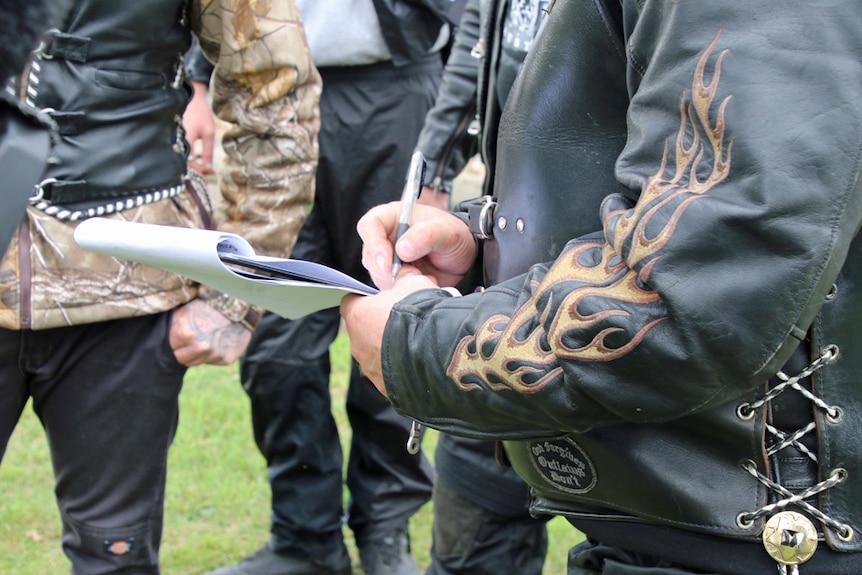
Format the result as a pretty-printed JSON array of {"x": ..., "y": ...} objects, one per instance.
[{"x": 23, "y": 151}]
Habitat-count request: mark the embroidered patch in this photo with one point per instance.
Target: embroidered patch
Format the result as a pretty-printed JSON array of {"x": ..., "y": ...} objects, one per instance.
[
  {"x": 120, "y": 547},
  {"x": 563, "y": 464}
]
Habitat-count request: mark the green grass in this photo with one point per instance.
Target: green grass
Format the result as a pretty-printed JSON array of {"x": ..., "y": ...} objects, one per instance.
[{"x": 217, "y": 507}]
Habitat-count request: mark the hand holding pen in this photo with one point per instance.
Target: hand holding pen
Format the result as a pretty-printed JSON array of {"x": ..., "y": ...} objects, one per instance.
[{"x": 412, "y": 187}]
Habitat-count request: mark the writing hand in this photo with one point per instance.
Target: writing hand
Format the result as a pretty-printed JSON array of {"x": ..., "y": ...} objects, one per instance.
[{"x": 437, "y": 244}]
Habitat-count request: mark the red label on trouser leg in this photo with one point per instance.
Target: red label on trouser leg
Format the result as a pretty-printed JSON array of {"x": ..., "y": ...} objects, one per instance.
[{"x": 121, "y": 547}]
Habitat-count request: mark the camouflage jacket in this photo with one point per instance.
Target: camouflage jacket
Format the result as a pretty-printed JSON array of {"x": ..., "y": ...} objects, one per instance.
[{"x": 121, "y": 151}]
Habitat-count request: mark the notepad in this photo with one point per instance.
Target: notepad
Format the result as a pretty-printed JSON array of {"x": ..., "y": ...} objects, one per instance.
[{"x": 225, "y": 262}]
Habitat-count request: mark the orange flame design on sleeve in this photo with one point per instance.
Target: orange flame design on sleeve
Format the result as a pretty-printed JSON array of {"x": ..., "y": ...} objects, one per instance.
[{"x": 516, "y": 353}]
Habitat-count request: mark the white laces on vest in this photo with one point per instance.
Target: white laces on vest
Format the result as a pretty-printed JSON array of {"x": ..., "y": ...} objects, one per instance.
[{"x": 789, "y": 536}]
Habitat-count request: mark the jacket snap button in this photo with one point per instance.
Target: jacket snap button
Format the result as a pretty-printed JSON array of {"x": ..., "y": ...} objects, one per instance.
[{"x": 790, "y": 538}]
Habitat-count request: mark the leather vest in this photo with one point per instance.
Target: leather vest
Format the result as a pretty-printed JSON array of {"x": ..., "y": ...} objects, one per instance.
[
  {"x": 714, "y": 472},
  {"x": 113, "y": 82}
]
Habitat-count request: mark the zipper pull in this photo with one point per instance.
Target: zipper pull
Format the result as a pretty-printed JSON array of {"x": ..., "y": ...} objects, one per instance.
[{"x": 415, "y": 438}]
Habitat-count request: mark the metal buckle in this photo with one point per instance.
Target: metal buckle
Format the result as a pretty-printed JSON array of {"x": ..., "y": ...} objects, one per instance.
[
  {"x": 481, "y": 217},
  {"x": 45, "y": 49},
  {"x": 39, "y": 190}
]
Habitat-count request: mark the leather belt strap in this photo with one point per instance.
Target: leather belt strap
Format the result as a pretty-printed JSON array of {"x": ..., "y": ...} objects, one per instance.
[{"x": 56, "y": 44}]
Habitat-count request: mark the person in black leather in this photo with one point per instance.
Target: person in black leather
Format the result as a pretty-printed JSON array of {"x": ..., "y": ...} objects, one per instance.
[
  {"x": 671, "y": 355},
  {"x": 481, "y": 521}
]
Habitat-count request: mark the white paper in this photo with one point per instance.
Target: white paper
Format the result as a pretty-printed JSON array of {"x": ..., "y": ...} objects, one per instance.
[{"x": 195, "y": 254}]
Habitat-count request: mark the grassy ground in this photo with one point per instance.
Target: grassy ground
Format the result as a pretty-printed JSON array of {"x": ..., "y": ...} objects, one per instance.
[{"x": 217, "y": 507}]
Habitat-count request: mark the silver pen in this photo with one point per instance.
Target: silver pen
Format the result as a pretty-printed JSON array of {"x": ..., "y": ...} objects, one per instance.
[{"x": 415, "y": 176}]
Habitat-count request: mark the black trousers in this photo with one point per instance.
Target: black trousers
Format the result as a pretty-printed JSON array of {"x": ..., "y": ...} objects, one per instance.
[
  {"x": 106, "y": 394},
  {"x": 593, "y": 558},
  {"x": 482, "y": 523},
  {"x": 371, "y": 117},
  {"x": 471, "y": 539}
]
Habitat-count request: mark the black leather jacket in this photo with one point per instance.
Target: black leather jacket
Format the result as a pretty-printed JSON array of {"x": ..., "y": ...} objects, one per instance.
[
  {"x": 408, "y": 28},
  {"x": 475, "y": 87},
  {"x": 704, "y": 165},
  {"x": 444, "y": 139}
]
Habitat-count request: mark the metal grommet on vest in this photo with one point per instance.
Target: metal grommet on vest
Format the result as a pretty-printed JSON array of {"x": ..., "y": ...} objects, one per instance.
[{"x": 791, "y": 537}]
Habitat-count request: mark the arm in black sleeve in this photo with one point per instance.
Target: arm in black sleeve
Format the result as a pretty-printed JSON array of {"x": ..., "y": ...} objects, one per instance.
[
  {"x": 198, "y": 68},
  {"x": 748, "y": 196},
  {"x": 444, "y": 140}
]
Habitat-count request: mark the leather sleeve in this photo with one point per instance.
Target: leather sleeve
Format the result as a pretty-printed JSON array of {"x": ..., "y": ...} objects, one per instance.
[
  {"x": 266, "y": 87},
  {"x": 442, "y": 9},
  {"x": 743, "y": 151},
  {"x": 444, "y": 140},
  {"x": 198, "y": 68}
]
